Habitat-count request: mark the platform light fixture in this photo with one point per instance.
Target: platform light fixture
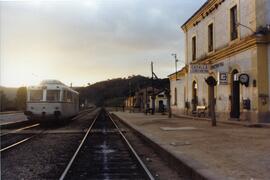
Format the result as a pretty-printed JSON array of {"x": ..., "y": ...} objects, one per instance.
[{"x": 258, "y": 33}]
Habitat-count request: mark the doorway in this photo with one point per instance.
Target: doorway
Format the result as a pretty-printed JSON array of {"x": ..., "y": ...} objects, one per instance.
[
  {"x": 194, "y": 95},
  {"x": 235, "y": 95},
  {"x": 161, "y": 106}
]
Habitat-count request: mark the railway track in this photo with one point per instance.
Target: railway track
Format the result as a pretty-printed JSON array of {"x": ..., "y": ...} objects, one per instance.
[
  {"x": 16, "y": 137},
  {"x": 12, "y": 138},
  {"x": 105, "y": 153},
  {"x": 19, "y": 129}
]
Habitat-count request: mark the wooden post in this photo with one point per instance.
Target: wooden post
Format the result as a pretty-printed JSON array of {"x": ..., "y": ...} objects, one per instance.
[
  {"x": 153, "y": 90},
  {"x": 212, "y": 105},
  {"x": 169, "y": 106},
  {"x": 168, "y": 95},
  {"x": 211, "y": 81}
]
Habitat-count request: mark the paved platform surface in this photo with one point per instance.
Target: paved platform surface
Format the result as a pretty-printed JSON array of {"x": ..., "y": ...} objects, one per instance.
[
  {"x": 233, "y": 122},
  {"x": 12, "y": 118},
  {"x": 232, "y": 151}
]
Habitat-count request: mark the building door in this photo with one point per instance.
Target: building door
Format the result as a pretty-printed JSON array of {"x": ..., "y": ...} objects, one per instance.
[
  {"x": 235, "y": 95},
  {"x": 160, "y": 106},
  {"x": 194, "y": 95}
]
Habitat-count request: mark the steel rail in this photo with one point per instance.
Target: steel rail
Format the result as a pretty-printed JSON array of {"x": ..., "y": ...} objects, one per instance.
[
  {"x": 20, "y": 129},
  {"x": 17, "y": 143},
  {"x": 132, "y": 150},
  {"x": 78, "y": 149}
]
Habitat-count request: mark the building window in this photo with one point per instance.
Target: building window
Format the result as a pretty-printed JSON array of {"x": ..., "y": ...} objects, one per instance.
[
  {"x": 194, "y": 48},
  {"x": 234, "y": 30},
  {"x": 210, "y": 37},
  {"x": 175, "y": 96}
]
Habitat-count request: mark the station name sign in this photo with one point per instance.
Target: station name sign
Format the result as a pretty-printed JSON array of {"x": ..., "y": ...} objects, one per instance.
[{"x": 199, "y": 68}]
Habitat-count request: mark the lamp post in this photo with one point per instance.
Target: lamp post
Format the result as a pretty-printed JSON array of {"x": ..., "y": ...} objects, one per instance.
[{"x": 176, "y": 60}]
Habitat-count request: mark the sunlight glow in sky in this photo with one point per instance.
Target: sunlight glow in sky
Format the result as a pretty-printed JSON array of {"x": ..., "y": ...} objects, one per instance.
[{"x": 88, "y": 41}]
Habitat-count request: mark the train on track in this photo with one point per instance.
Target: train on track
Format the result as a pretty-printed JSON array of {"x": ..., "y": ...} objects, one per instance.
[{"x": 51, "y": 100}]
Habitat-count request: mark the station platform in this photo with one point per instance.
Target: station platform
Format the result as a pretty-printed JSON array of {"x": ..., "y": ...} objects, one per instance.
[
  {"x": 10, "y": 118},
  {"x": 227, "y": 151}
]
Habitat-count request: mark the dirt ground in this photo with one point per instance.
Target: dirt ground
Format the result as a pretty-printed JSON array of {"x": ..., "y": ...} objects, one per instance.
[{"x": 235, "y": 152}]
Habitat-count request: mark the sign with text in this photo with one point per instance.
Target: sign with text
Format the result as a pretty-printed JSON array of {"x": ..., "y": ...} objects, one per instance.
[
  {"x": 198, "y": 68},
  {"x": 216, "y": 66},
  {"x": 223, "y": 78}
]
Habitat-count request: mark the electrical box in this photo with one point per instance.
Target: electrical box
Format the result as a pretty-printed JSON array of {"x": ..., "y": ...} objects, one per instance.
[{"x": 246, "y": 104}]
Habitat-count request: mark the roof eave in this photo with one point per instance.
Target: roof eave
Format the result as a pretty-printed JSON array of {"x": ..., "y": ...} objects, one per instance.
[{"x": 184, "y": 25}]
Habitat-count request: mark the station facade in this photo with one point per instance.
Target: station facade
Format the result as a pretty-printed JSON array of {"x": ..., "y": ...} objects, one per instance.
[{"x": 228, "y": 40}]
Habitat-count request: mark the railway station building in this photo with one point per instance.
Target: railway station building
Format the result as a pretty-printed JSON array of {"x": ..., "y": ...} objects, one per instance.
[
  {"x": 143, "y": 100},
  {"x": 228, "y": 40}
]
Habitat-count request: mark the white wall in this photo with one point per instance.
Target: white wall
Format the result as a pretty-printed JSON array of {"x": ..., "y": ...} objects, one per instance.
[
  {"x": 202, "y": 91},
  {"x": 269, "y": 73},
  {"x": 221, "y": 21},
  {"x": 173, "y": 85},
  {"x": 243, "y": 62},
  {"x": 268, "y": 11},
  {"x": 263, "y": 12},
  {"x": 179, "y": 84}
]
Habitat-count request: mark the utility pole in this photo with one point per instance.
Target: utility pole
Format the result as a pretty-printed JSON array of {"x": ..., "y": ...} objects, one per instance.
[
  {"x": 175, "y": 60},
  {"x": 153, "y": 96},
  {"x": 146, "y": 100},
  {"x": 129, "y": 99}
]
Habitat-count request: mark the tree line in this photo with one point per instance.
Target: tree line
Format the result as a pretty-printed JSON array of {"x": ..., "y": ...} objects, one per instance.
[
  {"x": 113, "y": 92},
  {"x": 17, "y": 104}
]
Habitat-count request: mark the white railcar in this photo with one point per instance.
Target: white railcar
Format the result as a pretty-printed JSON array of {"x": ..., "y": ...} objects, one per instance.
[{"x": 51, "y": 100}]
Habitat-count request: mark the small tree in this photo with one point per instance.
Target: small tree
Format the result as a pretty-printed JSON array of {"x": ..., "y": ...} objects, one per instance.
[
  {"x": 3, "y": 101},
  {"x": 21, "y": 98}
]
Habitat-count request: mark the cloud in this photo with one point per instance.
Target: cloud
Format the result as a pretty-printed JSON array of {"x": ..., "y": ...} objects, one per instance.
[{"x": 118, "y": 37}]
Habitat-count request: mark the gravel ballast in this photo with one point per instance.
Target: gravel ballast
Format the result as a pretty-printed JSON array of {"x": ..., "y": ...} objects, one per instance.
[{"x": 45, "y": 156}]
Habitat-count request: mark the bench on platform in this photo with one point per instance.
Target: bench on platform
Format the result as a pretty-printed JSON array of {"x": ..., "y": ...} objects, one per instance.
[{"x": 201, "y": 110}]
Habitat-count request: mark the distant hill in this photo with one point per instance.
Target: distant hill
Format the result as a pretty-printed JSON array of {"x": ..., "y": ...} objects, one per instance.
[
  {"x": 9, "y": 92},
  {"x": 7, "y": 98},
  {"x": 113, "y": 91}
]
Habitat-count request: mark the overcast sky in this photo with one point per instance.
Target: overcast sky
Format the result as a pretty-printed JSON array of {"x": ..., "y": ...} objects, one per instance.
[{"x": 88, "y": 41}]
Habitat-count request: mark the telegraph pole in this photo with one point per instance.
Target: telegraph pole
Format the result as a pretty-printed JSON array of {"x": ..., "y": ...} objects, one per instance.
[
  {"x": 153, "y": 96},
  {"x": 129, "y": 99}
]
